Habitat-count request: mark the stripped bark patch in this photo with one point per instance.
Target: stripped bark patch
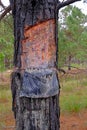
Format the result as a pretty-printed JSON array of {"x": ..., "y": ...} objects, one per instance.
[{"x": 39, "y": 45}]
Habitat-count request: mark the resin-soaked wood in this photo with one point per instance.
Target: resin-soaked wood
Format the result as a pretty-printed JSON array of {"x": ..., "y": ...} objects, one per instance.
[
  {"x": 39, "y": 84},
  {"x": 39, "y": 45}
]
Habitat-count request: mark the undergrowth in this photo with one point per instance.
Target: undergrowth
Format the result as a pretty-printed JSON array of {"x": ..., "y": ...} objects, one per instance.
[{"x": 73, "y": 94}]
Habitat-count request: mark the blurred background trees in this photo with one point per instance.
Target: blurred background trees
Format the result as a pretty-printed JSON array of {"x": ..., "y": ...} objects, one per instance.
[
  {"x": 6, "y": 43},
  {"x": 72, "y": 36}
]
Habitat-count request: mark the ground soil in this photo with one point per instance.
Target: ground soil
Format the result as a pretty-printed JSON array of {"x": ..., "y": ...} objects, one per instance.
[
  {"x": 74, "y": 121},
  {"x": 68, "y": 121}
]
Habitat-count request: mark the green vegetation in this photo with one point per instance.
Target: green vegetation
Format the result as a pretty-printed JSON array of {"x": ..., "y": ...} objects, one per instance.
[
  {"x": 5, "y": 105},
  {"x": 72, "y": 36},
  {"x": 5, "y": 99},
  {"x": 6, "y": 43},
  {"x": 73, "y": 93}
]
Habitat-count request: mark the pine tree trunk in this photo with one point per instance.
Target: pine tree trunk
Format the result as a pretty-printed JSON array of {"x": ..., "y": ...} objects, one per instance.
[
  {"x": 69, "y": 62},
  {"x": 35, "y": 84}
]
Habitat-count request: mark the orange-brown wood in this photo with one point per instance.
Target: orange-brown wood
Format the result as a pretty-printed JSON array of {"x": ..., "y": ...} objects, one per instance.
[{"x": 39, "y": 47}]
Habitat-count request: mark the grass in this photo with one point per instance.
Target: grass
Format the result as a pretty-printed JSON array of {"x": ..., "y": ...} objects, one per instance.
[
  {"x": 5, "y": 104},
  {"x": 73, "y": 96},
  {"x": 73, "y": 103},
  {"x": 5, "y": 100}
]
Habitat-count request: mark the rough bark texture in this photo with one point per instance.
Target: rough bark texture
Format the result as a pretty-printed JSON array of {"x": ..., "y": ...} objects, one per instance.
[
  {"x": 35, "y": 85},
  {"x": 34, "y": 113}
]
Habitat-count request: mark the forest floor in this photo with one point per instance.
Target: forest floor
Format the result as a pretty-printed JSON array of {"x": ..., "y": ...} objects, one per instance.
[
  {"x": 71, "y": 118},
  {"x": 73, "y": 121}
]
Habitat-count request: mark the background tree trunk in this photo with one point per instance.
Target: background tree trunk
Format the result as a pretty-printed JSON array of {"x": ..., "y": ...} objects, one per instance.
[
  {"x": 69, "y": 62},
  {"x": 35, "y": 85}
]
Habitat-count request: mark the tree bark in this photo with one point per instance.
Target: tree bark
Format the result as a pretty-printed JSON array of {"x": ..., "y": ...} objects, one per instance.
[
  {"x": 35, "y": 84},
  {"x": 69, "y": 62}
]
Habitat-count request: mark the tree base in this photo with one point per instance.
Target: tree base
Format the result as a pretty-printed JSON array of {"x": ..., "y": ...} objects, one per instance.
[
  {"x": 38, "y": 114},
  {"x": 34, "y": 113}
]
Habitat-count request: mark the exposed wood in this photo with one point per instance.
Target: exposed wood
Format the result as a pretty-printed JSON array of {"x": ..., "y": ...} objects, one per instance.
[{"x": 39, "y": 45}]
